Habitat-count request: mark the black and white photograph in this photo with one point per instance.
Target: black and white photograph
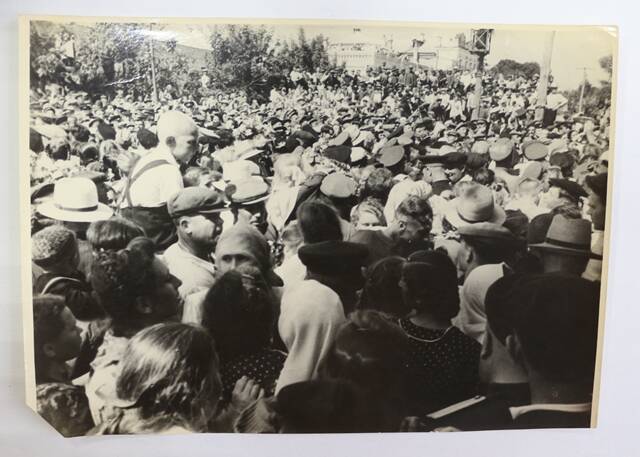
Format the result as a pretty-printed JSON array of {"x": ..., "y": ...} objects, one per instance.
[{"x": 308, "y": 226}]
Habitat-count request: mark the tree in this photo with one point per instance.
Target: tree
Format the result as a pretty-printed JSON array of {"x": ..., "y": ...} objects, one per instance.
[
  {"x": 606, "y": 63},
  {"x": 241, "y": 57},
  {"x": 509, "y": 67}
]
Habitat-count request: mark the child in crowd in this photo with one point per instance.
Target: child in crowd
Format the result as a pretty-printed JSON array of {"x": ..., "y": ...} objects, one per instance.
[{"x": 56, "y": 338}]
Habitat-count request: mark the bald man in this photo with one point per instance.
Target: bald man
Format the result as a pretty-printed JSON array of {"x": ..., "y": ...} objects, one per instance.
[{"x": 156, "y": 177}]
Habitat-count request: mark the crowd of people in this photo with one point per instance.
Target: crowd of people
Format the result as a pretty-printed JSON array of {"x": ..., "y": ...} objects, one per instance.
[{"x": 362, "y": 253}]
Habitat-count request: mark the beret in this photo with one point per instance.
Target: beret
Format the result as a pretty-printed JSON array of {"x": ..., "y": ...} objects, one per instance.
[
  {"x": 391, "y": 155},
  {"x": 338, "y": 185},
  {"x": 333, "y": 256},
  {"x": 195, "y": 200}
]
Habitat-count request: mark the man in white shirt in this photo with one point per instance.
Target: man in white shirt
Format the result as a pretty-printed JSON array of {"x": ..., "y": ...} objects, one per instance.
[{"x": 156, "y": 177}]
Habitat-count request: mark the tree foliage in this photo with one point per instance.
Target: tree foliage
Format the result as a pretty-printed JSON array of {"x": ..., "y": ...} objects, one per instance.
[
  {"x": 594, "y": 98},
  {"x": 509, "y": 67}
]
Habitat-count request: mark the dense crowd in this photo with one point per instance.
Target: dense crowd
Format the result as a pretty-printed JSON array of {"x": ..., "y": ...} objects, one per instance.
[{"x": 361, "y": 253}]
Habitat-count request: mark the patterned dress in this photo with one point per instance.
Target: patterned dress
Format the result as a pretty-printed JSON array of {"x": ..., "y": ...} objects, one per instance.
[{"x": 442, "y": 367}]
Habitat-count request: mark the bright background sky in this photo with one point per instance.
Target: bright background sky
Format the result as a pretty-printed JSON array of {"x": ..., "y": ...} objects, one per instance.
[{"x": 573, "y": 48}]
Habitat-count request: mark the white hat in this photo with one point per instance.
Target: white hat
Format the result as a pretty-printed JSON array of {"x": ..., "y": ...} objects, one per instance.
[{"x": 75, "y": 200}]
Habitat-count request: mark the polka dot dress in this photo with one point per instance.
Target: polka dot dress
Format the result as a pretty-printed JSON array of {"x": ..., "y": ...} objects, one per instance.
[
  {"x": 263, "y": 367},
  {"x": 442, "y": 367}
]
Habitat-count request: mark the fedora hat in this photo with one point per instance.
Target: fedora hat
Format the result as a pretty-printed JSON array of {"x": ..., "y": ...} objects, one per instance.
[
  {"x": 570, "y": 236},
  {"x": 75, "y": 200},
  {"x": 475, "y": 205}
]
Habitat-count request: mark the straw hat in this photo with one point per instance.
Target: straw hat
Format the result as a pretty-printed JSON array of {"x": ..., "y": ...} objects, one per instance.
[{"x": 75, "y": 200}]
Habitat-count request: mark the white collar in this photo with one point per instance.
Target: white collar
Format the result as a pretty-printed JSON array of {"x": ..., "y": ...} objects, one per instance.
[{"x": 517, "y": 411}]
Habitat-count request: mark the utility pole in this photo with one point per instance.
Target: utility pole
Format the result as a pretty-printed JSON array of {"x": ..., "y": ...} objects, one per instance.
[
  {"x": 543, "y": 83},
  {"x": 153, "y": 67},
  {"x": 584, "y": 83},
  {"x": 480, "y": 46}
]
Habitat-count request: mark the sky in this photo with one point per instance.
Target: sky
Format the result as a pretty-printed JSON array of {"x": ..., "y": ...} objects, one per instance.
[{"x": 573, "y": 48}]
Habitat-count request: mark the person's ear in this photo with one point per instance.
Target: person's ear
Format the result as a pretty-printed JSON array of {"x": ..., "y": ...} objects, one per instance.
[
  {"x": 170, "y": 141},
  {"x": 49, "y": 350},
  {"x": 487, "y": 344},
  {"x": 514, "y": 349},
  {"x": 185, "y": 225}
]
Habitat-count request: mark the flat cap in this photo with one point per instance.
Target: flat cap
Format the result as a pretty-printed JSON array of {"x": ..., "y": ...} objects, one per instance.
[
  {"x": 501, "y": 149},
  {"x": 391, "y": 155},
  {"x": 338, "y": 185},
  {"x": 195, "y": 200}
]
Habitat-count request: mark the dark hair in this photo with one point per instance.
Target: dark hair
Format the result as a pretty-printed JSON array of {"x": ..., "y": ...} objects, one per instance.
[
  {"x": 89, "y": 153},
  {"x": 170, "y": 369},
  {"x": 483, "y": 176},
  {"x": 492, "y": 250},
  {"x": 556, "y": 321},
  {"x": 112, "y": 234},
  {"x": 47, "y": 322},
  {"x": 120, "y": 277},
  {"x": 378, "y": 185},
  {"x": 431, "y": 281},
  {"x": 417, "y": 208},
  {"x": 319, "y": 406},
  {"x": 382, "y": 290},
  {"x": 64, "y": 407},
  {"x": 369, "y": 351},
  {"x": 238, "y": 313},
  {"x": 318, "y": 222}
]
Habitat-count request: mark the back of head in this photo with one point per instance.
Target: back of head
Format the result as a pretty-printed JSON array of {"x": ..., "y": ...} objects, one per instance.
[
  {"x": 368, "y": 351},
  {"x": 112, "y": 234},
  {"x": 318, "y": 222},
  {"x": 174, "y": 124},
  {"x": 320, "y": 406},
  {"x": 120, "y": 277},
  {"x": 47, "y": 322},
  {"x": 556, "y": 322},
  {"x": 381, "y": 289},
  {"x": 171, "y": 368},
  {"x": 238, "y": 313},
  {"x": 431, "y": 284}
]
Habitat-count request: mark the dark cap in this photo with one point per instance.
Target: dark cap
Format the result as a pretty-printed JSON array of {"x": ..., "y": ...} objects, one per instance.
[{"x": 195, "y": 200}]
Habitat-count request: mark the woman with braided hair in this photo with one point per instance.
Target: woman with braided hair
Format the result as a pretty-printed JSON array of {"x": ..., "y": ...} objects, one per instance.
[{"x": 137, "y": 291}]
